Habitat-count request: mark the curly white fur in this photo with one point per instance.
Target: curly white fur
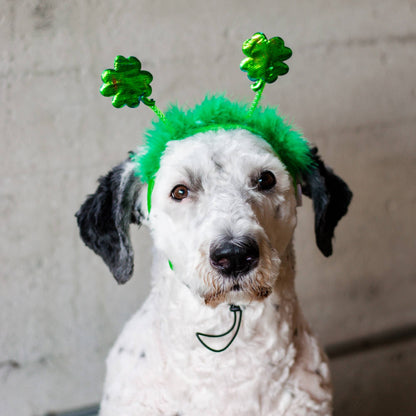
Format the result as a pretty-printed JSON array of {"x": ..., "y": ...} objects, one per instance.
[{"x": 274, "y": 366}]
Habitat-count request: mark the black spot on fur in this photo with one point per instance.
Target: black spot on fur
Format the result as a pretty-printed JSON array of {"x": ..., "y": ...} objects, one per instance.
[
  {"x": 331, "y": 198},
  {"x": 143, "y": 354},
  {"x": 195, "y": 181},
  {"x": 218, "y": 166}
]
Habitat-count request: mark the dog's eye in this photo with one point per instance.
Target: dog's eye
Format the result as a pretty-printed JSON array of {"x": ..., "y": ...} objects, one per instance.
[
  {"x": 179, "y": 192},
  {"x": 266, "y": 181}
]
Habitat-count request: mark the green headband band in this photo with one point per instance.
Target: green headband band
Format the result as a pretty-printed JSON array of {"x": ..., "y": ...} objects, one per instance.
[{"x": 219, "y": 113}]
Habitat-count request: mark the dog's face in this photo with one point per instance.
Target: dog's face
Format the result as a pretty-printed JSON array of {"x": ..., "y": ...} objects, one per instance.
[{"x": 223, "y": 212}]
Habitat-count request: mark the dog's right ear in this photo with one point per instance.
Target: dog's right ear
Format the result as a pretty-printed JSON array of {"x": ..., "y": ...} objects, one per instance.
[{"x": 106, "y": 215}]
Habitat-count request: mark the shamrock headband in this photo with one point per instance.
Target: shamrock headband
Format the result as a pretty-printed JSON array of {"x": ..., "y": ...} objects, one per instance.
[{"x": 129, "y": 85}]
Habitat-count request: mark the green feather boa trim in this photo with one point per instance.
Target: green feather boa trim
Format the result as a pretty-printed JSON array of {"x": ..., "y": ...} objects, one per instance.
[{"x": 219, "y": 113}]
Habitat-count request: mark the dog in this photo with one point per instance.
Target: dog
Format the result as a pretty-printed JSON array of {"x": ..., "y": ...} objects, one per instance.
[{"x": 223, "y": 214}]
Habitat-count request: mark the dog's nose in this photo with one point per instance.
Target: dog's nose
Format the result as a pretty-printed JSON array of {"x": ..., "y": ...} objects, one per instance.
[{"x": 233, "y": 258}]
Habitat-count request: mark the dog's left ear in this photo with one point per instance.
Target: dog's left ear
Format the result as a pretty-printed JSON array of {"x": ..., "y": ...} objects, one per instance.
[
  {"x": 106, "y": 215},
  {"x": 331, "y": 198}
]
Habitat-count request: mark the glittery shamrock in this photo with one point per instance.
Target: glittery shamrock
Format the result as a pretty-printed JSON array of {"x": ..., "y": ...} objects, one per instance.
[
  {"x": 265, "y": 59},
  {"x": 127, "y": 83}
]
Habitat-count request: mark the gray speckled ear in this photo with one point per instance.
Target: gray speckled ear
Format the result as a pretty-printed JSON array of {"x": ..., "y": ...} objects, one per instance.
[
  {"x": 105, "y": 217},
  {"x": 331, "y": 197}
]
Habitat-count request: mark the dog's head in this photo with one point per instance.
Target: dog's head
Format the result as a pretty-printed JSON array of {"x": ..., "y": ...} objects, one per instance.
[{"x": 223, "y": 212}]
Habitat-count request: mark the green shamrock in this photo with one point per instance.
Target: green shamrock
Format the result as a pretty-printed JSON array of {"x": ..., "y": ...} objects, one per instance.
[
  {"x": 127, "y": 83},
  {"x": 265, "y": 59}
]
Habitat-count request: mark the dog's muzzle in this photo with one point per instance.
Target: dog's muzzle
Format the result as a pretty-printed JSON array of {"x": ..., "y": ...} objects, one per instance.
[{"x": 233, "y": 258}]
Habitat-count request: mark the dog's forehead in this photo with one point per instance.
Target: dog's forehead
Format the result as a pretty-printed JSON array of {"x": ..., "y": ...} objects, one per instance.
[{"x": 224, "y": 149}]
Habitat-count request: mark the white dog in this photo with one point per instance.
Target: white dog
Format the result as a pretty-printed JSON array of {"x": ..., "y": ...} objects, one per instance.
[{"x": 223, "y": 213}]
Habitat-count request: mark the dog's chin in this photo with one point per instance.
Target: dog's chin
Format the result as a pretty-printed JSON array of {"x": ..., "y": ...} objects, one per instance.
[
  {"x": 241, "y": 290},
  {"x": 236, "y": 297}
]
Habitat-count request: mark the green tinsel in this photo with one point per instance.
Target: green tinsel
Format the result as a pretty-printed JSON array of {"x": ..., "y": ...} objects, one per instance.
[{"x": 216, "y": 113}]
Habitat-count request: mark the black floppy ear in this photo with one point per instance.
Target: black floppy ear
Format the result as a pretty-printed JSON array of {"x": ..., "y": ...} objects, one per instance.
[
  {"x": 105, "y": 217},
  {"x": 331, "y": 197}
]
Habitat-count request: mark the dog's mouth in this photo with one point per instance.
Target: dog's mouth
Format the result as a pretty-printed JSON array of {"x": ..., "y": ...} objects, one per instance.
[
  {"x": 255, "y": 285},
  {"x": 237, "y": 295}
]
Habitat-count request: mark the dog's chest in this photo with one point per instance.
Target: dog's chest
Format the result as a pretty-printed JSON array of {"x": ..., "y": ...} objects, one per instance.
[
  {"x": 160, "y": 368},
  {"x": 232, "y": 382}
]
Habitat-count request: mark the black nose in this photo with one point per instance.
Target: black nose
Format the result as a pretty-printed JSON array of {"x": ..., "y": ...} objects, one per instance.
[{"x": 235, "y": 257}]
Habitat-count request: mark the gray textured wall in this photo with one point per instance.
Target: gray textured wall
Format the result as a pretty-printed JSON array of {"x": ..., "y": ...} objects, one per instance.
[{"x": 351, "y": 88}]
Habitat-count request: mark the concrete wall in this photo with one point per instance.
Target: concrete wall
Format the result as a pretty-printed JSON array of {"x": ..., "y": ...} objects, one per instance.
[{"x": 352, "y": 89}]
